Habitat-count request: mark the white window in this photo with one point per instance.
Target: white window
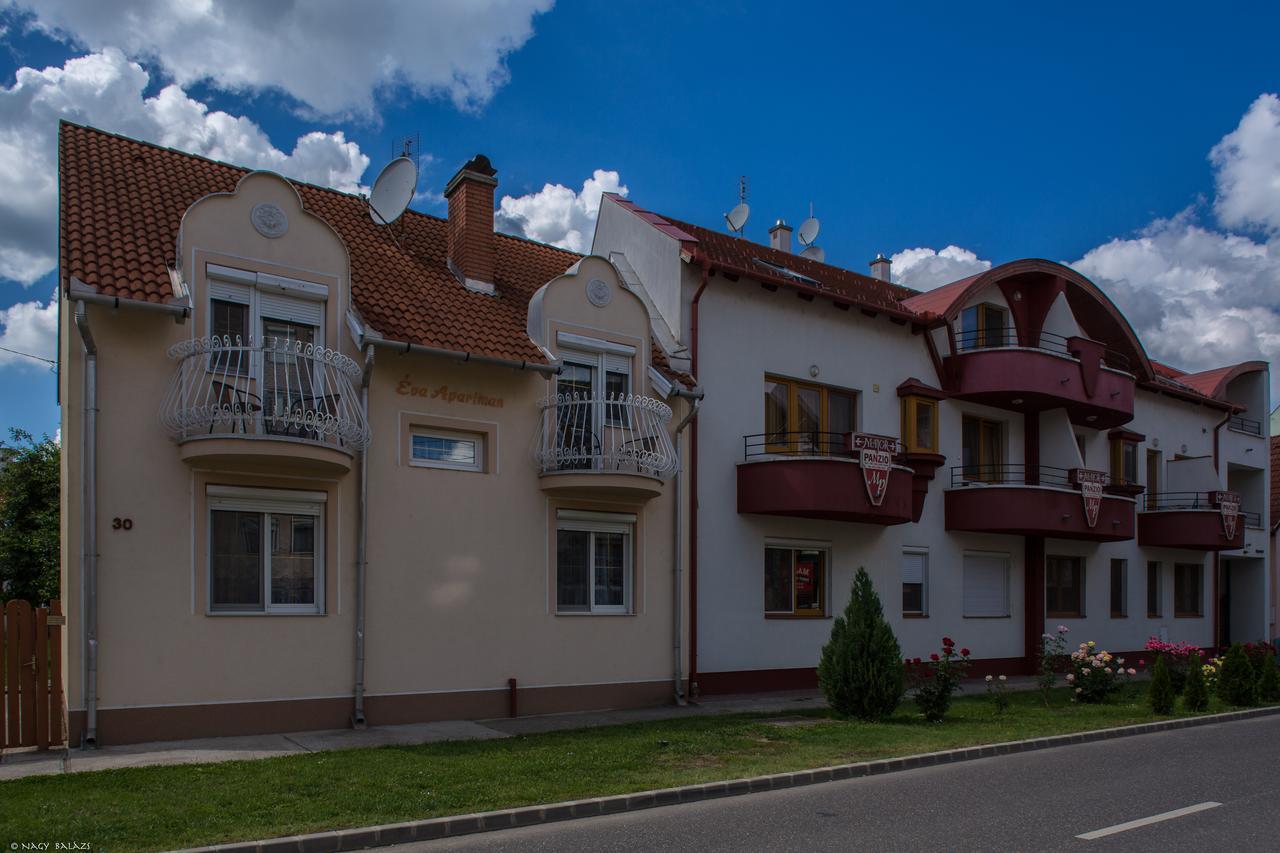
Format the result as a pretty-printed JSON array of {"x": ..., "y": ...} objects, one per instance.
[
  {"x": 593, "y": 561},
  {"x": 266, "y": 550},
  {"x": 915, "y": 579},
  {"x": 437, "y": 448},
  {"x": 986, "y": 584},
  {"x": 246, "y": 306}
]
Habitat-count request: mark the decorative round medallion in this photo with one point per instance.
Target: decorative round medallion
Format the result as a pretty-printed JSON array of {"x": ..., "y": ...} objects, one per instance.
[
  {"x": 599, "y": 293},
  {"x": 269, "y": 220}
]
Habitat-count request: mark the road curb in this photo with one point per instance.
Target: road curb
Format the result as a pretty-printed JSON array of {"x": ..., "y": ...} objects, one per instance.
[{"x": 445, "y": 827}]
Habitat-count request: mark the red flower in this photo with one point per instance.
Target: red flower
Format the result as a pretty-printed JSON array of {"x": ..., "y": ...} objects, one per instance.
[
  {"x": 1142, "y": 662},
  {"x": 964, "y": 653},
  {"x": 933, "y": 657},
  {"x": 947, "y": 641},
  {"x": 917, "y": 660}
]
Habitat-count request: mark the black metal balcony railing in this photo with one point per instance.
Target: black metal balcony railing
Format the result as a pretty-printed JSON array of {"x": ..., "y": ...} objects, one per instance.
[
  {"x": 1245, "y": 425},
  {"x": 1193, "y": 500},
  {"x": 1007, "y": 338},
  {"x": 1011, "y": 475},
  {"x": 796, "y": 444}
]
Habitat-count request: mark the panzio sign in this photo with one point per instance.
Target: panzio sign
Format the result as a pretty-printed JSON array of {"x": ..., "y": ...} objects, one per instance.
[
  {"x": 1229, "y": 505},
  {"x": 875, "y": 455},
  {"x": 1090, "y": 483}
]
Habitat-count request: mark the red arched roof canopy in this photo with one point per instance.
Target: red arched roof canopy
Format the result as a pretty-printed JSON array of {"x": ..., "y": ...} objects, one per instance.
[
  {"x": 1213, "y": 383},
  {"x": 1094, "y": 311}
]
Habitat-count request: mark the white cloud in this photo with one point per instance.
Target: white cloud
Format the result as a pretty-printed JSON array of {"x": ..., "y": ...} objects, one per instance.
[
  {"x": 925, "y": 269},
  {"x": 1248, "y": 169},
  {"x": 556, "y": 214},
  {"x": 31, "y": 328},
  {"x": 333, "y": 55},
  {"x": 106, "y": 90}
]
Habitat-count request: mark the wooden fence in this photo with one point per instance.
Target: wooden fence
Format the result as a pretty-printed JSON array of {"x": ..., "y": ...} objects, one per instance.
[{"x": 32, "y": 712}]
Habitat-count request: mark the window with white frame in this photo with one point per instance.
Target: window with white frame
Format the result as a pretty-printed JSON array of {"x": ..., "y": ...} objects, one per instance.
[
  {"x": 440, "y": 448},
  {"x": 986, "y": 585},
  {"x": 915, "y": 574},
  {"x": 595, "y": 380},
  {"x": 266, "y": 550},
  {"x": 593, "y": 561}
]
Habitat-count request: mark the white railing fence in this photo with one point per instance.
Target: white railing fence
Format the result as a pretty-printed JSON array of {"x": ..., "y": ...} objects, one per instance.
[
  {"x": 271, "y": 387},
  {"x": 623, "y": 433}
]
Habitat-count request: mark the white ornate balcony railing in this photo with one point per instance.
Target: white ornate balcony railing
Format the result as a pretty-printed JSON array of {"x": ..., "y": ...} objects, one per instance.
[
  {"x": 274, "y": 387},
  {"x": 605, "y": 433}
]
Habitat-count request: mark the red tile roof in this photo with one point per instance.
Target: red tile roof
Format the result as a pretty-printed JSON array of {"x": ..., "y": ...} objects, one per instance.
[
  {"x": 737, "y": 255},
  {"x": 938, "y": 301},
  {"x": 122, "y": 202}
]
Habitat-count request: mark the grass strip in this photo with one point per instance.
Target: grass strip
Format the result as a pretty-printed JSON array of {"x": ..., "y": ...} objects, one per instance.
[{"x": 152, "y": 808}]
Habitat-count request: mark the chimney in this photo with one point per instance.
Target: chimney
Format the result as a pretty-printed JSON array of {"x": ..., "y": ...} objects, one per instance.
[
  {"x": 880, "y": 267},
  {"x": 471, "y": 249},
  {"x": 780, "y": 237}
]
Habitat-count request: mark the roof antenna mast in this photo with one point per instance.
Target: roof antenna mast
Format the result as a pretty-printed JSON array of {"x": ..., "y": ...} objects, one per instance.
[{"x": 737, "y": 218}]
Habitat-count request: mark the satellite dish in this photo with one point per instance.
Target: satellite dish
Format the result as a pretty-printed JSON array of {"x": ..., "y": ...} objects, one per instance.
[
  {"x": 737, "y": 218},
  {"x": 808, "y": 231},
  {"x": 814, "y": 253},
  {"x": 393, "y": 190}
]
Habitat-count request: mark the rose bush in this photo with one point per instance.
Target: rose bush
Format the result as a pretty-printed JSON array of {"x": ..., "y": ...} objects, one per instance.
[
  {"x": 1096, "y": 674},
  {"x": 935, "y": 681}
]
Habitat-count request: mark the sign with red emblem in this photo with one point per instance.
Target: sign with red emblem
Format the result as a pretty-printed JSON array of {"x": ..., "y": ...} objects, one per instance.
[
  {"x": 1229, "y": 505},
  {"x": 875, "y": 455},
  {"x": 1090, "y": 483}
]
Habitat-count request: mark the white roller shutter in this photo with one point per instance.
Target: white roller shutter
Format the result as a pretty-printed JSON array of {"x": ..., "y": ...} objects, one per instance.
[
  {"x": 617, "y": 363},
  {"x": 273, "y": 306},
  {"x": 986, "y": 585},
  {"x": 227, "y": 291},
  {"x": 913, "y": 563}
]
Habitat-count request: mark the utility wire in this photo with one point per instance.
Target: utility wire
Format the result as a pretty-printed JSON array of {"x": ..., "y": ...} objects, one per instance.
[{"x": 29, "y": 355}]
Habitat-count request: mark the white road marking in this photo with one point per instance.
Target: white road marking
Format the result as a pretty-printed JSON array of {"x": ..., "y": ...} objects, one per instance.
[{"x": 1146, "y": 821}]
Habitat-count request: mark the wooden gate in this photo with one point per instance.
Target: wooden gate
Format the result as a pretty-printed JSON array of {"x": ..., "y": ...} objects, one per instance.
[{"x": 31, "y": 674}]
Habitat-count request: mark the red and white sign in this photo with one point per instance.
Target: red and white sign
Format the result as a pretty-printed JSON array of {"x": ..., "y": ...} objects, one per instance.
[
  {"x": 1090, "y": 483},
  {"x": 1229, "y": 505},
  {"x": 875, "y": 455}
]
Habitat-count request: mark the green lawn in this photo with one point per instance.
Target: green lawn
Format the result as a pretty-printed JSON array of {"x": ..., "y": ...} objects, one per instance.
[{"x": 164, "y": 807}]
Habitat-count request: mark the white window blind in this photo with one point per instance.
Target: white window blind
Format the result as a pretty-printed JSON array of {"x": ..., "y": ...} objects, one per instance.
[
  {"x": 617, "y": 363},
  {"x": 913, "y": 563},
  {"x": 986, "y": 585},
  {"x": 229, "y": 292},
  {"x": 277, "y": 307}
]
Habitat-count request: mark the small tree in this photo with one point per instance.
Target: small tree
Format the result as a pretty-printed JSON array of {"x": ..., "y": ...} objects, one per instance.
[
  {"x": 1162, "y": 694},
  {"x": 1237, "y": 685},
  {"x": 1269, "y": 683},
  {"x": 1195, "y": 696},
  {"x": 29, "y": 513},
  {"x": 861, "y": 666}
]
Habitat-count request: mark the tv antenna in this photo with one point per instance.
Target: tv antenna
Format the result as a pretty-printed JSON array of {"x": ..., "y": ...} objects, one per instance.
[{"x": 737, "y": 218}]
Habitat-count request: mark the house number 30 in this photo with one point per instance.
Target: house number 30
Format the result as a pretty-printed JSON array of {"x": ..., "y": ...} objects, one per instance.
[{"x": 122, "y": 524}]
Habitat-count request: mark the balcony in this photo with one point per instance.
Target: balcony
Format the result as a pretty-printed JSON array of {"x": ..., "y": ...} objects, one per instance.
[
  {"x": 273, "y": 405},
  {"x": 604, "y": 446},
  {"x": 1091, "y": 382},
  {"x": 1246, "y": 426},
  {"x": 821, "y": 476},
  {"x": 1190, "y": 520},
  {"x": 1037, "y": 501}
]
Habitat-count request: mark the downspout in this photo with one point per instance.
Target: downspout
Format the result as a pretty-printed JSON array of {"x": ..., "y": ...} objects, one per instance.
[
  {"x": 1218, "y": 639},
  {"x": 678, "y": 555},
  {"x": 89, "y": 515},
  {"x": 693, "y": 490},
  {"x": 362, "y": 546}
]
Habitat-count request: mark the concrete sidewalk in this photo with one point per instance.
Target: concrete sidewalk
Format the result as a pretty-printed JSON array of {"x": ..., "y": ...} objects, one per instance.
[{"x": 16, "y": 765}]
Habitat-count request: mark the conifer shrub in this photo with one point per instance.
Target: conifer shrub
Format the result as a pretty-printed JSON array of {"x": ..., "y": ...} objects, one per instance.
[
  {"x": 861, "y": 669},
  {"x": 1237, "y": 684},
  {"x": 1162, "y": 694},
  {"x": 1269, "y": 683},
  {"x": 1195, "y": 696}
]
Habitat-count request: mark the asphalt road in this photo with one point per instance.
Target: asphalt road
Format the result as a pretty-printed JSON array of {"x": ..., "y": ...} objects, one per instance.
[{"x": 1031, "y": 801}]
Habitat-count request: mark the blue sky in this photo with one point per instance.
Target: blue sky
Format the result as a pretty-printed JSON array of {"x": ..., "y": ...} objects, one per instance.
[{"x": 1081, "y": 133}]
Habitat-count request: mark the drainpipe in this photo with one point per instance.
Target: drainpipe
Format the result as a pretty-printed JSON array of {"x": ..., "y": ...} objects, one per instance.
[
  {"x": 89, "y": 515},
  {"x": 362, "y": 546},
  {"x": 678, "y": 560},
  {"x": 693, "y": 489},
  {"x": 1218, "y": 639}
]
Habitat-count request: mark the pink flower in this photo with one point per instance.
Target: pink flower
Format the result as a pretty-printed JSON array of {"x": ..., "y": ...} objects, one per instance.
[
  {"x": 1063, "y": 629},
  {"x": 1003, "y": 678},
  {"x": 915, "y": 660},
  {"x": 1132, "y": 671},
  {"x": 1070, "y": 677}
]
